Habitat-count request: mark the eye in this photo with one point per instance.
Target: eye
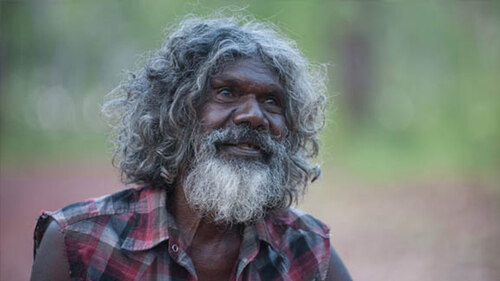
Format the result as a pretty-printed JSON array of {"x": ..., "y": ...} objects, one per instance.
[
  {"x": 225, "y": 92},
  {"x": 271, "y": 101}
]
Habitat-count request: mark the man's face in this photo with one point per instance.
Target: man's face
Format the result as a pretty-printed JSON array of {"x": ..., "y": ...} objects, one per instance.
[
  {"x": 240, "y": 166},
  {"x": 245, "y": 93}
]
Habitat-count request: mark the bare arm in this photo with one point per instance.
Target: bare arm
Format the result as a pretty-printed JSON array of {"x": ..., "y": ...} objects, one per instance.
[
  {"x": 51, "y": 263},
  {"x": 336, "y": 269}
]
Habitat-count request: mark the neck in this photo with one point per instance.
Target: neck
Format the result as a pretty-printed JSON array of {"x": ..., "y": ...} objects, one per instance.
[{"x": 214, "y": 249}]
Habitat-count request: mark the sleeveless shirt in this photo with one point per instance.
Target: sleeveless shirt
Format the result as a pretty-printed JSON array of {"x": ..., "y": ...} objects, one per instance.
[{"x": 131, "y": 235}]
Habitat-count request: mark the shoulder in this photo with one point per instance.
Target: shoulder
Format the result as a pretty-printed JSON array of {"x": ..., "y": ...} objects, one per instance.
[
  {"x": 303, "y": 239},
  {"x": 104, "y": 219},
  {"x": 97, "y": 229},
  {"x": 306, "y": 236},
  {"x": 298, "y": 220},
  {"x": 122, "y": 202}
]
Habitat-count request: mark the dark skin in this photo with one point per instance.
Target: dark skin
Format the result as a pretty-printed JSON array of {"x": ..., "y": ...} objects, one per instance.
[
  {"x": 249, "y": 93},
  {"x": 244, "y": 93}
]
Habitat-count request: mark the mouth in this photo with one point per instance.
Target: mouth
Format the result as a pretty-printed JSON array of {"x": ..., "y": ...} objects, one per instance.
[
  {"x": 247, "y": 146},
  {"x": 243, "y": 149}
]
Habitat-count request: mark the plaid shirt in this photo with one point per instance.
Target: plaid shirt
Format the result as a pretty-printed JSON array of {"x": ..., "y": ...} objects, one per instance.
[{"x": 130, "y": 235}]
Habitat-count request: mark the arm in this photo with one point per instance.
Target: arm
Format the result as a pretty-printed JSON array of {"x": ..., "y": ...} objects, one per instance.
[
  {"x": 50, "y": 262},
  {"x": 336, "y": 268}
]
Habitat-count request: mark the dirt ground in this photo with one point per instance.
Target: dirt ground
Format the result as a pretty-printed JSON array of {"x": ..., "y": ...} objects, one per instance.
[{"x": 427, "y": 230}]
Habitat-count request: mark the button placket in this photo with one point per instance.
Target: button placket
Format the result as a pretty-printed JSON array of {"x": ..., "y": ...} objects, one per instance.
[{"x": 179, "y": 256}]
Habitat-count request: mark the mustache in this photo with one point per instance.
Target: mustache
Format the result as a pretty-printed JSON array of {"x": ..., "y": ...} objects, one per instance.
[{"x": 242, "y": 134}]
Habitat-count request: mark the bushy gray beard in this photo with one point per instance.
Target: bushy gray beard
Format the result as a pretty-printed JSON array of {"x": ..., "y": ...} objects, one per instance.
[{"x": 237, "y": 190}]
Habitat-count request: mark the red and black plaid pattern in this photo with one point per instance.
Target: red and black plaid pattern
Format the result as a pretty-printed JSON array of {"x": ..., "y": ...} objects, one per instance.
[{"x": 130, "y": 235}]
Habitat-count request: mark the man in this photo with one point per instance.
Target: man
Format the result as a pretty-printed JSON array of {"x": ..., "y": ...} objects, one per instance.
[{"x": 217, "y": 130}]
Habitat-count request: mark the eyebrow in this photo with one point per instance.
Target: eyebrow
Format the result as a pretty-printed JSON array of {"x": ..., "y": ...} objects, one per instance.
[{"x": 234, "y": 81}]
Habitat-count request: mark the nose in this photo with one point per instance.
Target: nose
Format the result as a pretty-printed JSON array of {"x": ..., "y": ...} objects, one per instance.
[{"x": 250, "y": 113}]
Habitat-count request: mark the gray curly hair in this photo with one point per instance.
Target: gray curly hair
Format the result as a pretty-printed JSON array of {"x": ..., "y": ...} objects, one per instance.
[{"x": 156, "y": 110}]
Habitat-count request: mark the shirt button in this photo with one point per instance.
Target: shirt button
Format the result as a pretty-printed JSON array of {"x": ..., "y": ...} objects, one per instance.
[{"x": 175, "y": 248}]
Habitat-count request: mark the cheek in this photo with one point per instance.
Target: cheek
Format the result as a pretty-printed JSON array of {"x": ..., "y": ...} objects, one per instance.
[
  {"x": 278, "y": 125},
  {"x": 214, "y": 117}
]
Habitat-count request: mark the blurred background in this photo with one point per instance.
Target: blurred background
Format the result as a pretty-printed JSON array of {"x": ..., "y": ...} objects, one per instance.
[{"x": 410, "y": 155}]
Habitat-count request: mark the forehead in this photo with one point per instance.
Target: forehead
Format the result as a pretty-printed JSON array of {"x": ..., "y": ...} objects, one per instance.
[{"x": 249, "y": 71}]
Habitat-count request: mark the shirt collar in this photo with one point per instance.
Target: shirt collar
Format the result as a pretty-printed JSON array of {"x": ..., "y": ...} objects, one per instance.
[
  {"x": 152, "y": 223},
  {"x": 149, "y": 224}
]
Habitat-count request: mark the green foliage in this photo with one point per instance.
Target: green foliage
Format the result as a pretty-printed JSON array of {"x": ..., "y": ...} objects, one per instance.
[{"x": 431, "y": 105}]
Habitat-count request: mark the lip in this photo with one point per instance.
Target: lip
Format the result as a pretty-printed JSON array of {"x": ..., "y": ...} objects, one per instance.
[{"x": 242, "y": 150}]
